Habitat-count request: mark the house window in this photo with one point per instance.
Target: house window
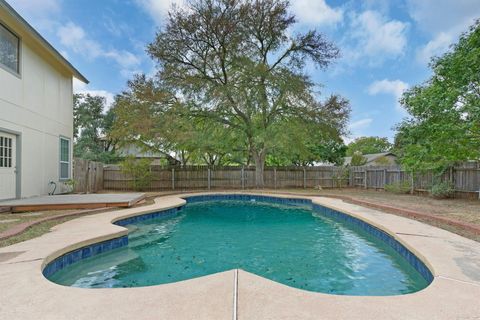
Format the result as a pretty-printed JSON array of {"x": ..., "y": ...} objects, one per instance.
[
  {"x": 9, "y": 50},
  {"x": 64, "y": 158},
  {"x": 5, "y": 152}
]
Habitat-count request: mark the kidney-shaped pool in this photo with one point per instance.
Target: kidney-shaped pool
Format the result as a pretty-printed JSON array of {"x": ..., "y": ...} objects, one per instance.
[{"x": 298, "y": 245}]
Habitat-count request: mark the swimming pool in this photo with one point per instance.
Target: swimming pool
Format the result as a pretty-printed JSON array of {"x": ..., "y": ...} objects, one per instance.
[{"x": 285, "y": 240}]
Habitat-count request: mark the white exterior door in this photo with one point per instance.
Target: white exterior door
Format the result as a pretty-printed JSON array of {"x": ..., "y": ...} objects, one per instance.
[{"x": 8, "y": 168}]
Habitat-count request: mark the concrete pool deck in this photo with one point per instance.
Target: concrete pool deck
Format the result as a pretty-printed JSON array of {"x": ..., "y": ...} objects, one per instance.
[{"x": 26, "y": 294}]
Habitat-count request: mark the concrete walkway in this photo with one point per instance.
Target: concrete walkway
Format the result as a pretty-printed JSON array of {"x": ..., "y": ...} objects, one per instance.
[
  {"x": 26, "y": 294},
  {"x": 74, "y": 201}
]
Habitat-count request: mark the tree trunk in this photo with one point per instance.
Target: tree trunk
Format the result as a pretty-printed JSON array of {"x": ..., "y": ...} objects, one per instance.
[{"x": 259, "y": 157}]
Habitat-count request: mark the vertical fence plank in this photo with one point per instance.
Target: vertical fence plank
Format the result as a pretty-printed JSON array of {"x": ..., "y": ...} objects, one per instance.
[
  {"x": 275, "y": 178},
  {"x": 209, "y": 179}
]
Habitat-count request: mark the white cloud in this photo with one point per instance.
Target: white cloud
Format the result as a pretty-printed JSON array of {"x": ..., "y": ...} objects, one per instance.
[
  {"x": 316, "y": 12},
  {"x": 360, "y": 124},
  {"x": 80, "y": 87},
  {"x": 444, "y": 21},
  {"x": 41, "y": 14},
  {"x": 356, "y": 129},
  {"x": 435, "y": 16},
  {"x": 74, "y": 38},
  {"x": 158, "y": 9},
  {"x": 377, "y": 37},
  {"x": 393, "y": 87},
  {"x": 35, "y": 7},
  {"x": 435, "y": 47}
]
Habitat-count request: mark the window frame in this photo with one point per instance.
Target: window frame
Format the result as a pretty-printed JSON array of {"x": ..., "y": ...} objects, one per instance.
[
  {"x": 60, "y": 161},
  {"x": 19, "y": 53},
  {"x": 6, "y": 153}
]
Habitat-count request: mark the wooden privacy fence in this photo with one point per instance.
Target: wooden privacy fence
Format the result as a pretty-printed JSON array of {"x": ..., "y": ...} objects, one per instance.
[
  {"x": 464, "y": 177},
  {"x": 201, "y": 177},
  {"x": 88, "y": 176},
  {"x": 93, "y": 176}
]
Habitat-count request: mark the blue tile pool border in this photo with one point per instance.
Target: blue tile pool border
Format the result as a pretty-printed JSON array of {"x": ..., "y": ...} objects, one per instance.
[
  {"x": 404, "y": 252},
  {"x": 147, "y": 216},
  {"x": 101, "y": 247},
  {"x": 94, "y": 249},
  {"x": 249, "y": 197},
  {"x": 85, "y": 252}
]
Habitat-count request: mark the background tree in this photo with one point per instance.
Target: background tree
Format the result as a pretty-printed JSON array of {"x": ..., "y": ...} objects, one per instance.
[
  {"x": 302, "y": 143},
  {"x": 92, "y": 128},
  {"x": 358, "y": 159},
  {"x": 444, "y": 126},
  {"x": 237, "y": 63},
  {"x": 153, "y": 119},
  {"x": 368, "y": 145},
  {"x": 143, "y": 119}
]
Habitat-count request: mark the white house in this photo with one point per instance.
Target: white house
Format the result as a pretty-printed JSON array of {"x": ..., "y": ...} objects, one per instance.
[
  {"x": 36, "y": 110},
  {"x": 376, "y": 159}
]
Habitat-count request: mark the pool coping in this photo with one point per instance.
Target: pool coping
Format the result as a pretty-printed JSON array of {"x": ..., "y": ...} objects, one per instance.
[{"x": 453, "y": 294}]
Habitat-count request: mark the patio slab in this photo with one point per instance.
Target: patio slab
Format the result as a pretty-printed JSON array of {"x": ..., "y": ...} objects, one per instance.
[
  {"x": 73, "y": 201},
  {"x": 453, "y": 294}
]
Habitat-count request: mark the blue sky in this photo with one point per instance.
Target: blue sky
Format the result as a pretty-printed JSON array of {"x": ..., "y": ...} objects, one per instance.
[{"x": 385, "y": 45}]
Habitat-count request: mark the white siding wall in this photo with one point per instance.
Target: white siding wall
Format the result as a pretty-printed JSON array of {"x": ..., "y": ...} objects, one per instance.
[{"x": 39, "y": 106}]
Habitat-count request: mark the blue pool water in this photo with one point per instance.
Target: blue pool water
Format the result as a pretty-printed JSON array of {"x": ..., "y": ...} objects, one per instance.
[{"x": 289, "y": 244}]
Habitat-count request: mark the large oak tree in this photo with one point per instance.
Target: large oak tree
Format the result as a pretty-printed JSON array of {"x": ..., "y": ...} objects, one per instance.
[{"x": 240, "y": 64}]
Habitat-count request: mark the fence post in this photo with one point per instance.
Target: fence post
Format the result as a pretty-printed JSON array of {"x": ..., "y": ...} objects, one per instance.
[
  {"x": 304, "y": 178},
  {"x": 384, "y": 178},
  {"x": 350, "y": 177},
  {"x": 87, "y": 175},
  {"x": 242, "y": 177},
  {"x": 275, "y": 178},
  {"x": 209, "y": 179},
  {"x": 412, "y": 181},
  {"x": 365, "y": 184},
  {"x": 173, "y": 178}
]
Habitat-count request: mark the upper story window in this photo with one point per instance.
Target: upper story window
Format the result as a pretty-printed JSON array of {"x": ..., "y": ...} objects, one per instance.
[{"x": 9, "y": 50}]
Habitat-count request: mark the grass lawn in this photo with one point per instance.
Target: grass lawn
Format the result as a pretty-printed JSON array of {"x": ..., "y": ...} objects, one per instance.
[{"x": 458, "y": 209}]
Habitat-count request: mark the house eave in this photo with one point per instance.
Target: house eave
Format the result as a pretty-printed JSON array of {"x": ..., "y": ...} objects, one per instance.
[{"x": 44, "y": 44}]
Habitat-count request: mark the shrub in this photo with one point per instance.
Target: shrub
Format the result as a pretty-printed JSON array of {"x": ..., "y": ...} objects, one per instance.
[
  {"x": 442, "y": 190},
  {"x": 138, "y": 171},
  {"x": 358, "y": 159},
  {"x": 70, "y": 184},
  {"x": 340, "y": 178},
  {"x": 399, "y": 187}
]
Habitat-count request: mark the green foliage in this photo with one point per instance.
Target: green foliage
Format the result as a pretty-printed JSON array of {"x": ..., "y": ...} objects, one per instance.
[
  {"x": 442, "y": 190},
  {"x": 399, "y": 187},
  {"x": 340, "y": 177},
  {"x": 153, "y": 119},
  {"x": 368, "y": 145},
  {"x": 139, "y": 171},
  {"x": 444, "y": 126},
  {"x": 70, "y": 183},
  {"x": 358, "y": 159},
  {"x": 92, "y": 129},
  {"x": 299, "y": 143}
]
